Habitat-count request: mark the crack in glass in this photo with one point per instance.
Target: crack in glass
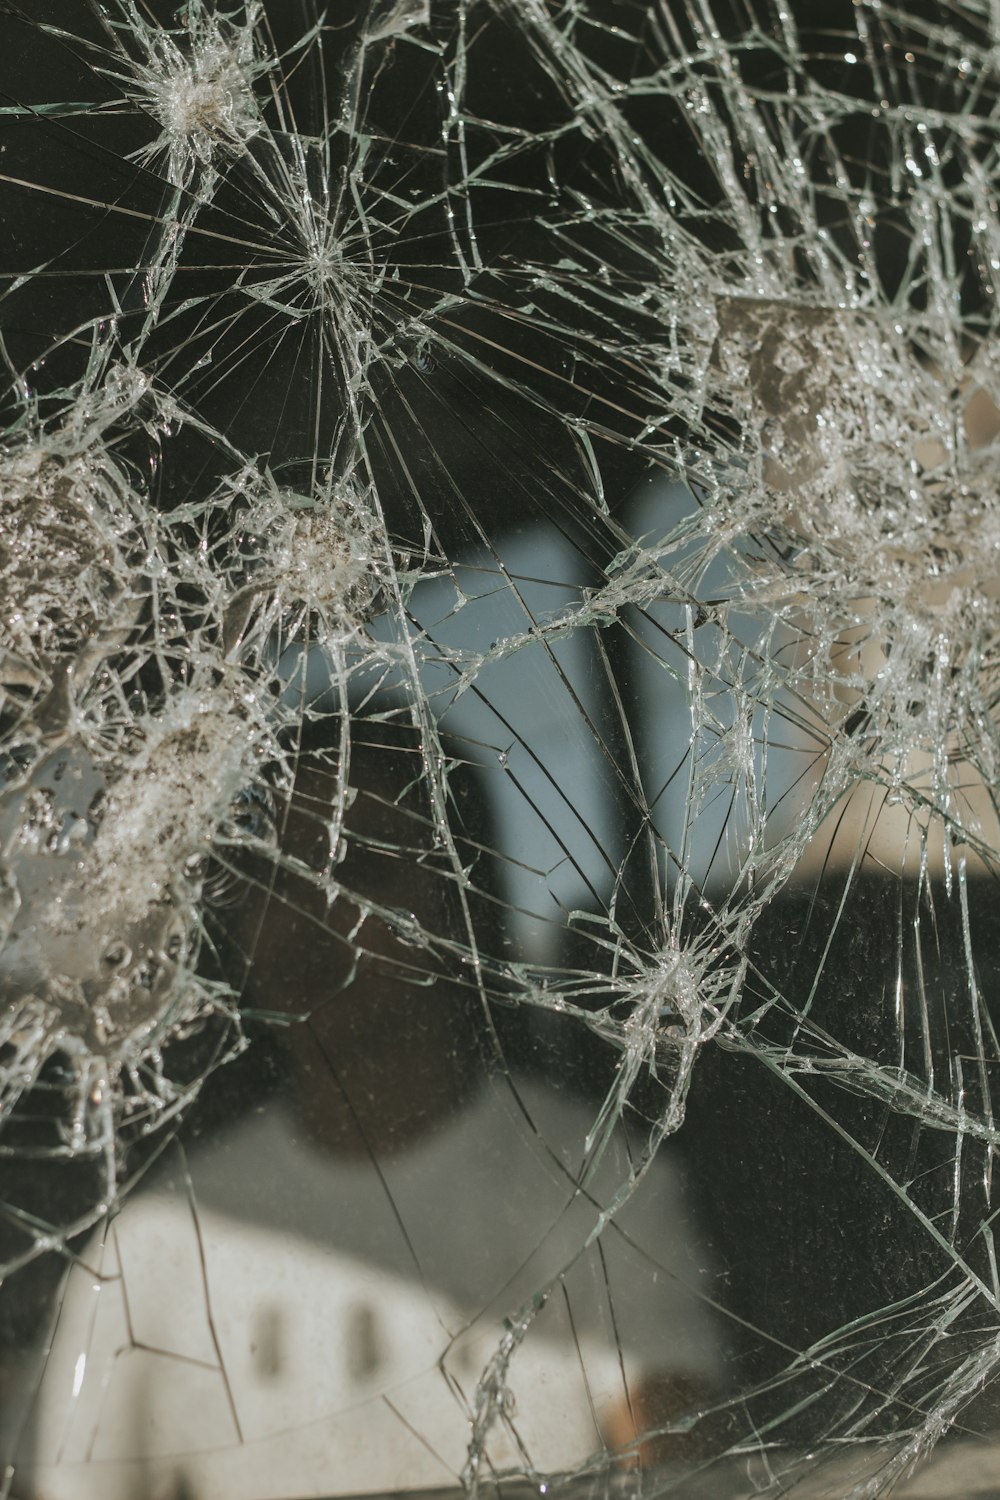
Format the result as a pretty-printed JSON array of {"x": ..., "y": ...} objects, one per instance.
[{"x": 499, "y": 678}]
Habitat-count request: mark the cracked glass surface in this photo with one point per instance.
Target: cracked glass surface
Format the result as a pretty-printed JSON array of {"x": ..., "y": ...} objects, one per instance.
[{"x": 499, "y": 666}]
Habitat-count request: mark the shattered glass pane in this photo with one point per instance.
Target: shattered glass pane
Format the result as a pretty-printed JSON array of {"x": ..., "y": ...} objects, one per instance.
[{"x": 499, "y": 704}]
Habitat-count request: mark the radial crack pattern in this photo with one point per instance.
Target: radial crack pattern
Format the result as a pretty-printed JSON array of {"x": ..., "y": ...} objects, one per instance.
[{"x": 499, "y": 707}]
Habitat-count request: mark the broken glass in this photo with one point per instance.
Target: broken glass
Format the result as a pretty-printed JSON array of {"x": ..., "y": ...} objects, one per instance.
[{"x": 498, "y": 748}]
